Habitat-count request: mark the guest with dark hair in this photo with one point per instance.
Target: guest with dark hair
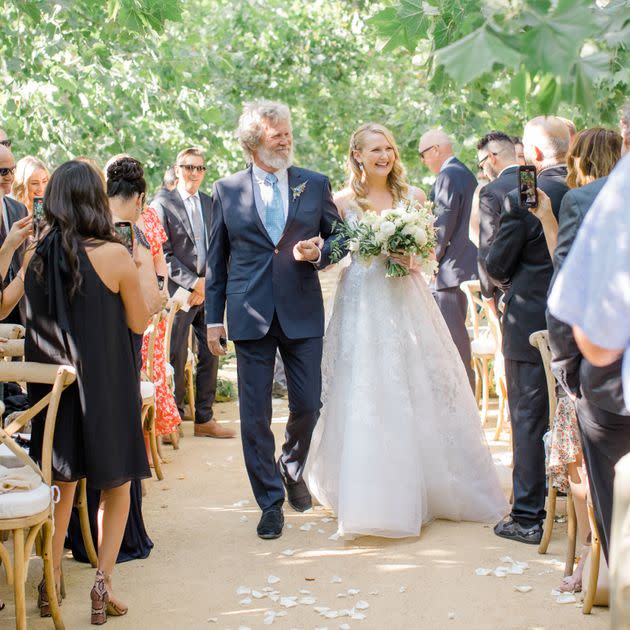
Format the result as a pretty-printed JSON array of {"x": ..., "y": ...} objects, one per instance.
[
  {"x": 84, "y": 294},
  {"x": 518, "y": 148}
]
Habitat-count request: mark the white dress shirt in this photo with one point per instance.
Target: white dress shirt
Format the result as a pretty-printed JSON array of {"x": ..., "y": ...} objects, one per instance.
[{"x": 263, "y": 192}]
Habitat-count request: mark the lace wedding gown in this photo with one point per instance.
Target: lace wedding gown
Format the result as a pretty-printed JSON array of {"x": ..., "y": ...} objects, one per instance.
[{"x": 399, "y": 440}]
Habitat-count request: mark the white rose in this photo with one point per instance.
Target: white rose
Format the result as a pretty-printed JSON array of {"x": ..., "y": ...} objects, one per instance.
[
  {"x": 353, "y": 246},
  {"x": 421, "y": 237},
  {"x": 387, "y": 228}
]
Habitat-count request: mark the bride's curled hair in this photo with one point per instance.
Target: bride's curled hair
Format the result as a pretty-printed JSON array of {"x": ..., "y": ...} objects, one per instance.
[{"x": 397, "y": 178}]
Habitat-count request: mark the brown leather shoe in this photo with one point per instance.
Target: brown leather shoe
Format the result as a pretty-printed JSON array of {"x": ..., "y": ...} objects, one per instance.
[{"x": 213, "y": 429}]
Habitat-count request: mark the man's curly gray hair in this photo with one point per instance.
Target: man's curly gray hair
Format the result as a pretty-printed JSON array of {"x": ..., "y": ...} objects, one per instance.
[{"x": 250, "y": 124}]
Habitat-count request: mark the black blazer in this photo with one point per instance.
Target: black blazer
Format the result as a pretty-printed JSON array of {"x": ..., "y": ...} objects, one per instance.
[
  {"x": 452, "y": 194},
  {"x": 180, "y": 250},
  {"x": 491, "y": 199},
  {"x": 520, "y": 264},
  {"x": 255, "y": 278},
  {"x": 600, "y": 386}
]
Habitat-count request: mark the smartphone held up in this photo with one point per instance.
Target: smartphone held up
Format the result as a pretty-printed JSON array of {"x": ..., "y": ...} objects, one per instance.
[
  {"x": 124, "y": 229},
  {"x": 528, "y": 195},
  {"x": 38, "y": 213}
]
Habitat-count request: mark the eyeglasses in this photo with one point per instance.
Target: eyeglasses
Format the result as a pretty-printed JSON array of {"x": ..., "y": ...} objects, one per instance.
[
  {"x": 481, "y": 162},
  {"x": 191, "y": 167},
  {"x": 427, "y": 149},
  {"x": 6, "y": 143},
  {"x": 7, "y": 171}
]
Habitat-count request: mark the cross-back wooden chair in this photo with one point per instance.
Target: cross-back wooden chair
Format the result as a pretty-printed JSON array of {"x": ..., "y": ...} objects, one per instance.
[
  {"x": 590, "y": 590},
  {"x": 189, "y": 373},
  {"x": 11, "y": 331},
  {"x": 482, "y": 345},
  {"x": 147, "y": 389},
  {"x": 540, "y": 340},
  {"x": 26, "y": 514}
]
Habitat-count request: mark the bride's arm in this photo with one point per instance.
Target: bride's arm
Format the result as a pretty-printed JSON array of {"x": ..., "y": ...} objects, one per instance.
[{"x": 417, "y": 194}]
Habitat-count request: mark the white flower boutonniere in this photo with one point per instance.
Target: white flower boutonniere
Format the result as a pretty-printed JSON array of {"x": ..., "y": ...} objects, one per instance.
[{"x": 298, "y": 190}]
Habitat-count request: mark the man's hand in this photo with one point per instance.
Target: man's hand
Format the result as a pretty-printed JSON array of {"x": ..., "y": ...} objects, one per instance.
[
  {"x": 308, "y": 251},
  {"x": 19, "y": 232},
  {"x": 214, "y": 334},
  {"x": 194, "y": 299},
  {"x": 200, "y": 287}
]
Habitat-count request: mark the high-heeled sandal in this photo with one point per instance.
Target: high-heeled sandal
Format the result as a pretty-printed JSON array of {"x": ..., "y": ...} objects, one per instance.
[
  {"x": 100, "y": 599},
  {"x": 43, "y": 602}
]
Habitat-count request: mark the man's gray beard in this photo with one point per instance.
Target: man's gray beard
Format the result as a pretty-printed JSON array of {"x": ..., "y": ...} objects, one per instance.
[{"x": 274, "y": 160}]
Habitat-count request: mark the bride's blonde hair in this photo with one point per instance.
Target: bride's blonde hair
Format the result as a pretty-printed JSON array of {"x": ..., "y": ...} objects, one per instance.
[{"x": 396, "y": 180}]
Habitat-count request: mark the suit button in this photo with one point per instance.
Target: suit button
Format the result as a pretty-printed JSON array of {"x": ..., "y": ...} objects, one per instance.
[{"x": 276, "y": 251}]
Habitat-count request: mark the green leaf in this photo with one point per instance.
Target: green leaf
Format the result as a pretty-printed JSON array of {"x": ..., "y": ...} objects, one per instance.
[
  {"x": 521, "y": 85},
  {"x": 402, "y": 26},
  {"x": 390, "y": 28},
  {"x": 549, "y": 94},
  {"x": 470, "y": 57}
]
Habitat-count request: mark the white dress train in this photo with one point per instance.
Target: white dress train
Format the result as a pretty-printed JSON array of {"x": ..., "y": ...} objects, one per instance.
[{"x": 399, "y": 440}]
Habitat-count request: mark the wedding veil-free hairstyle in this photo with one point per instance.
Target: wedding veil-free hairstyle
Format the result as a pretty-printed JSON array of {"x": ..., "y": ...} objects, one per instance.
[
  {"x": 75, "y": 203},
  {"x": 24, "y": 170},
  {"x": 125, "y": 177},
  {"x": 251, "y": 122},
  {"x": 592, "y": 155},
  {"x": 396, "y": 180}
]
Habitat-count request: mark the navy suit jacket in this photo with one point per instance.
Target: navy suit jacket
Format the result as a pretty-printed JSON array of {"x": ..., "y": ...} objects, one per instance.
[
  {"x": 179, "y": 249},
  {"x": 452, "y": 194},
  {"x": 256, "y": 278}
]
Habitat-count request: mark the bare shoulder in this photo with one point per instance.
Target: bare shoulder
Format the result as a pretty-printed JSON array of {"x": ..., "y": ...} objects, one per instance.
[
  {"x": 343, "y": 199},
  {"x": 111, "y": 261},
  {"x": 417, "y": 193}
]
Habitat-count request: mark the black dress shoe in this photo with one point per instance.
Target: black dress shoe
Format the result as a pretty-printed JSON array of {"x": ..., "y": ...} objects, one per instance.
[
  {"x": 509, "y": 528},
  {"x": 271, "y": 523},
  {"x": 298, "y": 496}
]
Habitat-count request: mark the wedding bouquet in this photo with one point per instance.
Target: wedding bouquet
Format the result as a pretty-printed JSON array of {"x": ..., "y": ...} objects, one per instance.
[{"x": 407, "y": 230}]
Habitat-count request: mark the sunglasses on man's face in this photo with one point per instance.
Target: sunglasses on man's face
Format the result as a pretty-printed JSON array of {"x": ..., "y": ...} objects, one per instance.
[
  {"x": 191, "y": 168},
  {"x": 7, "y": 171},
  {"x": 6, "y": 143}
]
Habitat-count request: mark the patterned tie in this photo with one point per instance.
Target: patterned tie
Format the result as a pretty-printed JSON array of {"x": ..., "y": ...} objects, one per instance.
[
  {"x": 274, "y": 210},
  {"x": 199, "y": 232}
]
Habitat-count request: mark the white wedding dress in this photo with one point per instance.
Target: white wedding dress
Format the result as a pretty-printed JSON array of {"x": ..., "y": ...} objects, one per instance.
[{"x": 399, "y": 440}]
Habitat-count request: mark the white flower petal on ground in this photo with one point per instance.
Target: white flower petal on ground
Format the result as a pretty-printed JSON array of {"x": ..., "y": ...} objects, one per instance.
[
  {"x": 304, "y": 591},
  {"x": 523, "y": 589},
  {"x": 331, "y": 614},
  {"x": 289, "y": 526},
  {"x": 245, "y": 601},
  {"x": 321, "y": 531},
  {"x": 566, "y": 598},
  {"x": 272, "y": 579},
  {"x": 307, "y": 601},
  {"x": 344, "y": 626},
  {"x": 357, "y": 616},
  {"x": 321, "y": 609},
  {"x": 288, "y": 552},
  {"x": 326, "y": 519},
  {"x": 244, "y": 628},
  {"x": 213, "y": 620},
  {"x": 451, "y": 615},
  {"x": 288, "y": 602},
  {"x": 243, "y": 590},
  {"x": 402, "y": 589},
  {"x": 244, "y": 519},
  {"x": 335, "y": 536},
  {"x": 241, "y": 503},
  {"x": 353, "y": 591},
  {"x": 361, "y": 605},
  {"x": 335, "y": 579},
  {"x": 483, "y": 571},
  {"x": 500, "y": 572},
  {"x": 306, "y": 527},
  {"x": 373, "y": 592},
  {"x": 257, "y": 594},
  {"x": 515, "y": 570}
]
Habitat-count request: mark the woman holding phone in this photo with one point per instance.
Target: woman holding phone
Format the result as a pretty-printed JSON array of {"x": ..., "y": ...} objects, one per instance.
[
  {"x": 31, "y": 179},
  {"x": 84, "y": 295}
]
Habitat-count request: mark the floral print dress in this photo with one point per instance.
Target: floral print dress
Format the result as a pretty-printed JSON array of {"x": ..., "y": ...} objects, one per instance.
[{"x": 167, "y": 416}]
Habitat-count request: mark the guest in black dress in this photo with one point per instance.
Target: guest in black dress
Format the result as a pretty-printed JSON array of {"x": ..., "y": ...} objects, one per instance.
[{"x": 84, "y": 294}]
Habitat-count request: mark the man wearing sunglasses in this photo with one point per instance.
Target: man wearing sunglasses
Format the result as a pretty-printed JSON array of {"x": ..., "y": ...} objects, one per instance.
[
  {"x": 185, "y": 214},
  {"x": 12, "y": 211}
]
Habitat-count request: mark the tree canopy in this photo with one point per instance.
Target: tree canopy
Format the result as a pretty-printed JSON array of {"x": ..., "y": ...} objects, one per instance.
[{"x": 149, "y": 77}]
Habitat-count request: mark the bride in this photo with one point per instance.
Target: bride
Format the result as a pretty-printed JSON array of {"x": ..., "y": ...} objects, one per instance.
[{"x": 399, "y": 440}]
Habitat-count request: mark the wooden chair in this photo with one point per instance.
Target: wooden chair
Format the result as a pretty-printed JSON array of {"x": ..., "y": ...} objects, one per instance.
[
  {"x": 11, "y": 331},
  {"x": 540, "y": 340},
  {"x": 26, "y": 514},
  {"x": 596, "y": 552},
  {"x": 147, "y": 389},
  {"x": 189, "y": 373},
  {"x": 482, "y": 346}
]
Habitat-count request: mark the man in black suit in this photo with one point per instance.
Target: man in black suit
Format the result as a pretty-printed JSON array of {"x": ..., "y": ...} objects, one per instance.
[
  {"x": 519, "y": 263},
  {"x": 169, "y": 183},
  {"x": 452, "y": 194},
  {"x": 185, "y": 214},
  {"x": 12, "y": 211},
  {"x": 603, "y": 418},
  {"x": 496, "y": 155}
]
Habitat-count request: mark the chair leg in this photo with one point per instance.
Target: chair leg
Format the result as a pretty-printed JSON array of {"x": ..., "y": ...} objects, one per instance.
[
  {"x": 153, "y": 443},
  {"x": 499, "y": 427},
  {"x": 477, "y": 372},
  {"x": 571, "y": 536},
  {"x": 548, "y": 526},
  {"x": 19, "y": 578},
  {"x": 84, "y": 520},
  {"x": 49, "y": 574},
  {"x": 596, "y": 549},
  {"x": 190, "y": 385},
  {"x": 485, "y": 376}
]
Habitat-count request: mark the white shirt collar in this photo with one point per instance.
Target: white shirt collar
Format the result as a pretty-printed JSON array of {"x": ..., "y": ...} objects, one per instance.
[
  {"x": 446, "y": 162},
  {"x": 506, "y": 168},
  {"x": 184, "y": 194},
  {"x": 260, "y": 174}
]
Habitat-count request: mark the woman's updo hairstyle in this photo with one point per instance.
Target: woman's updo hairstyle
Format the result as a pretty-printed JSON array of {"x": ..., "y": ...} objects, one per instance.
[{"x": 125, "y": 177}]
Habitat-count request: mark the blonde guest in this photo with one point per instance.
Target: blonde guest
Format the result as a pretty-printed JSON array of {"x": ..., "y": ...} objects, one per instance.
[{"x": 31, "y": 179}]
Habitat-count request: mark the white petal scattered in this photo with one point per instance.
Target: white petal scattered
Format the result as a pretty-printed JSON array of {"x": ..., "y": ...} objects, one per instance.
[
  {"x": 361, "y": 605},
  {"x": 281, "y": 613},
  {"x": 257, "y": 594},
  {"x": 306, "y": 527},
  {"x": 321, "y": 609},
  {"x": 402, "y": 589},
  {"x": 373, "y": 592},
  {"x": 506, "y": 559},
  {"x": 331, "y": 614},
  {"x": 274, "y": 598},
  {"x": 335, "y": 580},
  {"x": 483, "y": 571},
  {"x": 321, "y": 531},
  {"x": 515, "y": 570},
  {"x": 342, "y": 594},
  {"x": 307, "y": 601},
  {"x": 272, "y": 579},
  {"x": 326, "y": 628},
  {"x": 566, "y": 598},
  {"x": 357, "y": 616},
  {"x": 269, "y": 619},
  {"x": 451, "y": 615},
  {"x": 523, "y": 589},
  {"x": 344, "y": 626},
  {"x": 304, "y": 591},
  {"x": 243, "y": 590},
  {"x": 244, "y": 628},
  {"x": 246, "y": 601},
  {"x": 326, "y": 519},
  {"x": 335, "y": 536},
  {"x": 241, "y": 503},
  {"x": 229, "y": 460},
  {"x": 244, "y": 519},
  {"x": 288, "y": 552},
  {"x": 500, "y": 572},
  {"x": 213, "y": 620},
  {"x": 289, "y": 526},
  {"x": 288, "y": 602},
  {"x": 353, "y": 591}
]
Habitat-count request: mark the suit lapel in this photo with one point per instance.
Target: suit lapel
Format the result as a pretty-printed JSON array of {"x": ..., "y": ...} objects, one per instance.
[
  {"x": 180, "y": 208},
  {"x": 249, "y": 204},
  {"x": 295, "y": 180}
]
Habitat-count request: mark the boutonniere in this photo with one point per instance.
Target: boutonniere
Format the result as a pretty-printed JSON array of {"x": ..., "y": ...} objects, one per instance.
[{"x": 298, "y": 190}]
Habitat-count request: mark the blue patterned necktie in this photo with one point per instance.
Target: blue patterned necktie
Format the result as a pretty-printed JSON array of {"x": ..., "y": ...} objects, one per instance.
[{"x": 274, "y": 210}]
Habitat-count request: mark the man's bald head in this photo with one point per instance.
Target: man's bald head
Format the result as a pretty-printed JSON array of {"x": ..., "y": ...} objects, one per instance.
[
  {"x": 6, "y": 161},
  {"x": 434, "y": 148},
  {"x": 546, "y": 141}
]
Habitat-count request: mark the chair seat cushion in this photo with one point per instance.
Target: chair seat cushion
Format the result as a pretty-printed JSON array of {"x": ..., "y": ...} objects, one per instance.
[
  {"x": 21, "y": 504},
  {"x": 8, "y": 459},
  {"x": 147, "y": 389}
]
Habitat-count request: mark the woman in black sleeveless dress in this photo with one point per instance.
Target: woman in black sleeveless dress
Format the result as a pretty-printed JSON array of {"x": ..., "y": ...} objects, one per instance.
[{"x": 74, "y": 317}]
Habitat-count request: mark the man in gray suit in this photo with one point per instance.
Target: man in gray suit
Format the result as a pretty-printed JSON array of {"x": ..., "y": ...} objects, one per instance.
[
  {"x": 185, "y": 215},
  {"x": 452, "y": 194}
]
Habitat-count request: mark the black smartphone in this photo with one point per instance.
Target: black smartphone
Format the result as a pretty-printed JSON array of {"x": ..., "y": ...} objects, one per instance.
[
  {"x": 527, "y": 186},
  {"x": 160, "y": 281},
  {"x": 125, "y": 232},
  {"x": 38, "y": 212},
  {"x": 223, "y": 343}
]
